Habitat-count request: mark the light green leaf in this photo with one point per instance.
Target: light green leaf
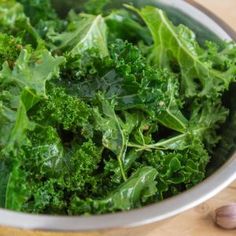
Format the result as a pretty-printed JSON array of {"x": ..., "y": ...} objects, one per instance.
[
  {"x": 13, "y": 126},
  {"x": 22, "y": 87},
  {"x": 10, "y": 13},
  {"x": 110, "y": 125},
  {"x": 17, "y": 192},
  {"x": 169, "y": 113},
  {"x": 89, "y": 32},
  {"x": 13, "y": 18},
  {"x": 138, "y": 188},
  {"x": 206, "y": 118},
  {"x": 32, "y": 71},
  {"x": 177, "y": 44}
]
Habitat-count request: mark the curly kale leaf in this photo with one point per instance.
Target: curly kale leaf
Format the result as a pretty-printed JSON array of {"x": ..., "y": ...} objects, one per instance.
[
  {"x": 14, "y": 21},
  {"x": 4, "y": 177},
  {"x": 31, "y": 71},
  {"x": 124, "y": 25},
  {"x": 95, "y": 7},
  {"x": 10, "y": 48},
  {"x": 50, "y": 173},
  {"x": 38, "y": 10},
  {"x": 54, "y": 174},
  {"x": 61, "y": 109},
  {"x": 83, "y": 162},
  {"x": 46, "y": 150},
  {"x": 43, "y": 17},
  {"x": 206, "y": 118},
  {"x": 115, "y": 136},
  {"x": 134, "y": 192},
  {"x": 178, "y": 45},
  {"x": 135, "y": 85},
  {"x": 46, "y": 197},
  {"x": 21, "y": 88},
  {"x": 84, "y": 32},
  {"x": 178, "y": 170}
]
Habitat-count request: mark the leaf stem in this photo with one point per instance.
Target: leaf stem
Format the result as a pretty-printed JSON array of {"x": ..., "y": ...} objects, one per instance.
[{"x": 159, "y": 145}]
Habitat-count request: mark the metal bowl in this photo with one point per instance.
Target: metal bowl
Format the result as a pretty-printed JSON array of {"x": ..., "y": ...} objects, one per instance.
[{"x": 207, "y": 26}]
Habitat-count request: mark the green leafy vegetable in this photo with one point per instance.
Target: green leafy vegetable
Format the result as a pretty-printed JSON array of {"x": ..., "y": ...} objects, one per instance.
[
  {"x": 121, "y": 24},
  {"x": 9, "y": 49},
  {"x": 13, "y": 126},
  {"x": 137, "y": 189},
  {"x": 115, "y": 134},
  {"x": 16, "y": 194},
  {"x": 84, "y": 32},
  {"x": 38, "y": 10},
  {"x": 14, "y": 20},
  {"x": 95, "y": 7},
  {"x": 62, "y": 109},
  {"x": 21, "y": 88},
  {"x": 107, "y": 110},
  {"x": 4, "y": 177},
  {"x": 32, "y": 71},
  {"x": 178, "y": 45}
]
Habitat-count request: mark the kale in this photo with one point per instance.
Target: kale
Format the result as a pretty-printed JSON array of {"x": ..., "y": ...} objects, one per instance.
[
  {"x": 21, "y": 88},
  {"x": 198, "y": 77},
  {"x": 124, "y": 25},
  {"x": 83, "y": 32},
  {"x": 10, "y": 48},
  {"x": 94, "y": 7},
  {"x": 125, "y": 197},
  {"x": 107, "y": 110},
  {"x": 14, "y": 21},
  {"x": 60, "y": 108},
  {"x": 38, "y": 10}
]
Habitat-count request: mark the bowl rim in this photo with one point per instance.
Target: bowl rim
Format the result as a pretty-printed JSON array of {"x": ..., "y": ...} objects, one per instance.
[{"x": 225, "y": 175}]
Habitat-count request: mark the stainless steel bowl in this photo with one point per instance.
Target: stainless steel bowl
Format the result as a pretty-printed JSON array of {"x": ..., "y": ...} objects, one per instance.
[{"x": 207, "y": 26}]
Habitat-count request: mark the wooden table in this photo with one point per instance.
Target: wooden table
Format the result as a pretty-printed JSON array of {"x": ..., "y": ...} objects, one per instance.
[
  {"x": 225, "y": 9},
  {"x": 195, "y": 222}
]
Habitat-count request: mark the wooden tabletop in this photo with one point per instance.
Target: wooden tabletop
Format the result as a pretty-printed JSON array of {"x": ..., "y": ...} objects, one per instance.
[
  {"x": 225, "y": 9},
  {"x": 195, "y": 222}
]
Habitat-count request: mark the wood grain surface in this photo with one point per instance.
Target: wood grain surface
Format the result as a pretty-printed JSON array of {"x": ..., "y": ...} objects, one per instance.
[
  {"x": 195, "y": 222},
  {"x": 225, "y": 9}
]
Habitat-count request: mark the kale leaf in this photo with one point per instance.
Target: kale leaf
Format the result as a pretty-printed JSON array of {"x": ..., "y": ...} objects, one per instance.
[
  {"x": 178, "y": 45},
  {"x": 107, "y": 110},
  {"x": 135, "y": 191},
  {"x": 84, "y": 32}
]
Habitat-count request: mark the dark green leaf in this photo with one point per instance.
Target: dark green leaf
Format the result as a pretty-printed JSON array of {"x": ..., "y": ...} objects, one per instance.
[{"x": 138, "y": 188}]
